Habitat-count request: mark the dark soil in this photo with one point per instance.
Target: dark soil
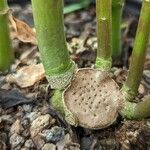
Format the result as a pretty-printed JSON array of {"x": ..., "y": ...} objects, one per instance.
[{"x": 20, "y": 108}]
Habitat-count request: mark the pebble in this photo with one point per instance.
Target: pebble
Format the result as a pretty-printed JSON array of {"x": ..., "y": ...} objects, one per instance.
[
  {"x": 3, "y": 140},
  {"x": 25, "y": 122},
  {"x": 26, "y": 132},
  {"x": 20, "y": 113},
  {"x": 16, "y": 127},
  {"x": 132, "y": 136},
  {"x": 39, "y": 142},
  {"x": 27, "y": 108},
  {"x": 7, "y": 118},
  {"x": 49, "y": 146},
  {"x": 9, "y": 111},
  {"x": 24, "y": 148},
  {"x": 29, "y": 144},
  {"x": 16, "y": 140},
  {"x": 67, "y": 144},
  {"x": 126, "y": 145},
  {"x": 141, "y": 89},
  {"x": 92, "y": 42},
  {"x": 39, "y": 124},
  {"x": 147, "y": 122},
  {"x": 65, "y": 141},
  {"x": 32, "y": 116},
  {"x": 86, "y": 143},
  {"x": 55, "y": 134},
  {"x": 2, "y": 145}
]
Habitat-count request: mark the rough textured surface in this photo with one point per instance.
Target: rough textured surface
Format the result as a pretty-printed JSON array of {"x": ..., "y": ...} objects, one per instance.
[
  {"x": 55, "y": 134},
  {"x": 27, "y": 76},
  {"x": 16, "y": 127},
  {"x": 39, "y": 123},
  {"x": 128, "y": 93},
  {"x": 94, "y": 94},
  {"x": 49, "y": 146},
  {"x": 102, "y": 64},
  {"x": 60, "y": 81},
  {"x": 16, "y": 140}
]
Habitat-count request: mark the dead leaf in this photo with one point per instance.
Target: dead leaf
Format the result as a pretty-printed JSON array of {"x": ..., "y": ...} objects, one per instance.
[
  {"x": 13, "y": 98},
  {"x": 27, "y": 76},
  {"x": 29, "y": 56},
  {"x": 21, "y": 31}
]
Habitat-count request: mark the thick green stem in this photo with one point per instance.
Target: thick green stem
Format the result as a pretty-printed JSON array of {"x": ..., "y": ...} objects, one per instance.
[
  {"x": 139, "y": 53},
  {"x": 6, "y": 54},
  {"x": 58, "y": 104},
  {"x": 48, "y": 17},
  {"x": 117, "y": 7},
  {"x": 56, "y": 101},
  {"x": 137, "y": 111},
  {"x": 104, "y": 34}
]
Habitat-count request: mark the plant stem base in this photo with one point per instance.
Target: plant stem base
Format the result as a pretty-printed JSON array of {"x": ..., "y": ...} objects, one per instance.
[
  {"x": 103, "y": 64},
  {"x": 60, "y": 81},
  {"x": 128, "y": 110},
  {"x": 128, "y": 93}
]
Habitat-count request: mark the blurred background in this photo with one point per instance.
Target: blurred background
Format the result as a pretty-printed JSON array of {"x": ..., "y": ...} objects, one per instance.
[
  {"x": 80, "y": 23},
  {"x": 132, "y": 5}
]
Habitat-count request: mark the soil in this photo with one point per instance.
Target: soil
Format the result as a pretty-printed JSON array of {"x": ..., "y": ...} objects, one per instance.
[{"x": 28, "y": 121}]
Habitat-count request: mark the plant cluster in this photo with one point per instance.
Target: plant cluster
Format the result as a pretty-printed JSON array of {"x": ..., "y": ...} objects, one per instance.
[{"x": 87, "y": 97}]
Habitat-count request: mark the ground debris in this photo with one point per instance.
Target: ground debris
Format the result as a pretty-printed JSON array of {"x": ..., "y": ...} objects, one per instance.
[
  {"x": 49, "y": 146},
  {"x": 13, "y": 98},
  {"x": 39, "y": 124},
  {"x": 16, "y": 140},
  {"x": 67, "y": 144},
  {"x": 55, "y": 134},
  {"x": 16, "y": 121},
  {"x": 21, "y": 31},
  {"x": 16, "y": 127},
  {"x": 27, "y": 76}
]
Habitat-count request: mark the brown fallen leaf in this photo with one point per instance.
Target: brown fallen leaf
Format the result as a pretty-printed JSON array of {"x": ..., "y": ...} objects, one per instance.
[
  {"x": 21, "y": 31},
  {"x": 27, "y": 76}
]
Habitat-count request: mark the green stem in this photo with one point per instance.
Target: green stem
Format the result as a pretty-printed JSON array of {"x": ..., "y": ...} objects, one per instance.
[
  {"x": 117, "y": 7},
  {"x": 137, "y": 111},
  {"x": 6, "y": 54},
  {"x": 48, "y": 17},
  {"x": 57, "y": 103},
  {"x": 76, "y": 6},
  {"x": 104, "y": 34},
  {"x": 139, "y": 53}
]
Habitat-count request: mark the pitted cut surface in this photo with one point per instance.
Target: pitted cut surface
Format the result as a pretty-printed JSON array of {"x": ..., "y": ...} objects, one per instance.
[{"x": 93, "y": 98}]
